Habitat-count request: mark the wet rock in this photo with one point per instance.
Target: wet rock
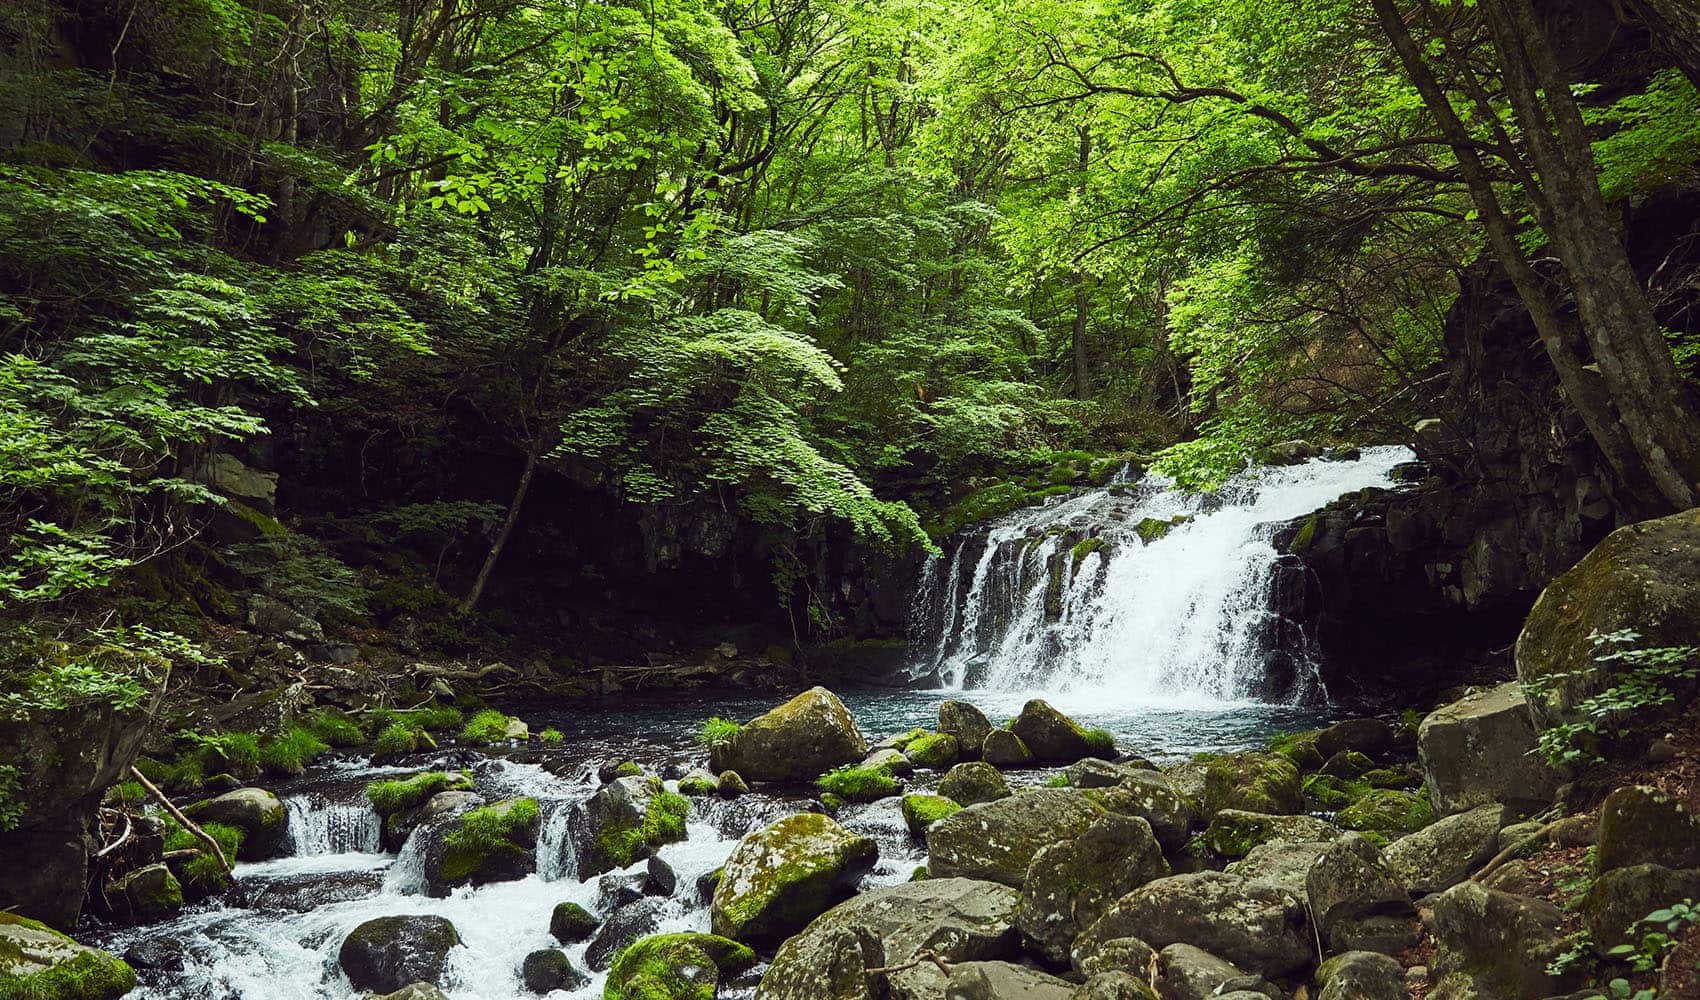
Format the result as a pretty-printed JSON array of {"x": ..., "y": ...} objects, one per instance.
[
  {"x": 1256, "y": 926},
  {"x": 1124, "y": 954},
  {"x": 972, "y": 783},
  {"x": 1361, "y": 975},
  {"x": 157, "y": 954},
  {"x": 389, "y": 953},
  {"x": 965, "y": 722},
  {"x": 1153, "y": 797},
  {"x": 617, "y": 889},
  {"x": 1641, "y": 577},
  {"x": 37, "y": 961},
  {"x": 1252, "y": 782},
  {"x": 805, "y": 737},
  {"x": 659, "y": 878},
  {"x": 149, "y": 894},
  {"x": 257, "y": 813},
  {"x": 1641, "y": 825},
  {"x": 548, "y": 969},
  {"x": 1370, "y": 737},
  {"x": 1054, "y": 738},
  {"x": 1003, "y": 748},
  {"x": 1440, "y": 856},
  {"x": 889, "y": 760},
  {"x": 1190, "y": 973},
  {"x": 1479, "y": 750},
  {"x": 698, "y": 782},
  {"x": 570, "y": 922},
  {"x": 415, "y": 991},
  {"x": 960, "y": 920},
  {"x": 1346, "y": 764},
  {"x": 626, "y": 820},
  {"x": 1233, "y": 833},
  {"x": 932, "y": 750},
  {"x": 494, "y": 843},
  {"x": 997, "y": 840},
  {"x": 1284, "y": 865},
  {"x": 921, "y": 811},
  {"x": 1494, "y": 944},
  {"x": 1386, "y": 811},
  {"x": 675, "y": 967},
  {"x": 1071, "y": 883},
  {"x": 1287, "y": 453},
  {"x": 1622, "y": 896},
  {"x": 436, "y": 809},
  {"x": 781, "y": 877},
  {"x": 621, "y": 928},
  {"x": 732, "y": 785},
  {"x": 1348, "y": 889},
  {"x": 1115, "y": 986}
]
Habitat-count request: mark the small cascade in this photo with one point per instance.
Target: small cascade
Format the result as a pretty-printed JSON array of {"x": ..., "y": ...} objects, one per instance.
[
  {"x": 1133, "y": 594},
  {"x": 320, "y": 826},
  {"x": 557, "y": 847}
]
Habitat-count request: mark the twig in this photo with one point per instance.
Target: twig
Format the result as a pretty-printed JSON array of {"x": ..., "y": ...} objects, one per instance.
[
  {"x": 921, "y": 958},
  {"x": 1510, "y": 852},
  {"x": 177, "y": 814},
  {"x": 109, "y": 848}
]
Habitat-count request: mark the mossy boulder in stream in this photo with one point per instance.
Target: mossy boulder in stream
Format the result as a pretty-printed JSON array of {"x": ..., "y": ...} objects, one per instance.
[
  {"x": 494, "y": 843},
  {"x": 1233, "y": 833},
  {"x": 996, "y": 841},
  {"x": 781, "y": 877},
  {"x": 389, "y": 953},
  {"x": 39, "y": 963},
  {"x": 1480, "y": 749},
  {"x": 935, "y": 750},
  {"x": 1252, "y": 782},
  {"x": 1003, "y": 748},
  {"x": 626, "y": 820},
  {"x": 148, "y": 894},
  {"x": 1386, "y": 811},
  {"x": 1054, "y": 738},
  {"x": 675, "y": 967},
  {"x": 973, "y": 782},
  {"x": 805, "y": 737},
  {"x": 254, "y": 811},
  {"x": 965, "y": 722},
  {"x": 921, "y": 811}
]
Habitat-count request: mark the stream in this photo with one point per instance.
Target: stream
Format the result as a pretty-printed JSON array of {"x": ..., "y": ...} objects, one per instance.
[{"x": 1159, "y": 643}]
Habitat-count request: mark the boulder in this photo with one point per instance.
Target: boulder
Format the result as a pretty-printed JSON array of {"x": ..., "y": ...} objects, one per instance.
[
  {"x": 1370, "y": 737},
  {"x": 1347, "y": 764},
  {"x": 684, "y": 966},
  {"x": 1054, "y": 738},
  {"x": 398, "y": 826},
  {"x": 1386, "y": 811},
  {"x": 1479, "y": 749},
  {"x": 960, "y": 920},
  {"x": 414, "y": 991},
  {"x": 698, "y": 782},
  {"x": 1355, "y": 902},
  {"x": 1190, "y": 973},
  {"x": 1493, "y": 944},
  {"x": 1233, "y": 833},
  {"x": 1004, "y": 981},
  {"x": 921, "y": 811},
  {"x": 388, "y": 953},
  {"x": 659, "y": 878},
  {"x": 1252, "y": 782},
  {"x": 1151, "y": 796},
  {"x": 732, "y": 785},
  {"x": 625, "y": 821},
  {"x": 932, "y": 750},
  {"x": 1127, "y": 954},
  {"x": 1256, "y": 926},
  {"x": 1003, "y": 748},
  {"x": 997, "y": 840},
  {"x": 1445, "y": 853},
  {"x": 889, "y": 760},
  {"x": 548, "y": 969},
  {"x": 965, "y": 722},
  {"x": 570, "y": 922},
  {"x": 972, "y": 783},
  {"x": 148, "y": 894},
  {"x": 1071, "y": 883},
  {"x": 493, "y": 843},
  {"x": 1622, "y": 896},
  {"x": 783, "y": 876},
  {"x": 37, "y": 961},
  {"x": 157, "y": 954},
  {"x": 1361, "y": 975},
  {"x": 1641, "y": 825},
  {"x": 1644, "y": 577},
  {"x": 1115, "y": 986},
  {"x": 257, "y": 813},
  {"x": 622, "y": 928},
  {"x": 1284, "y": 865},
  {"x": 807, "y": 736}
]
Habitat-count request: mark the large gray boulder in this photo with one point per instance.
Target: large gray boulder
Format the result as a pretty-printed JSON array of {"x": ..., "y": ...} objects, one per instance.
[
  {"x": 1115, "y": 986},
  {"x": 1003, "y": 981},
  {"x": 1621, "y": 897},
  {"x": 1190, "y": 973},
  {"x": 1644, "y": 577},
  {"x": 973, "y": 782},
  {"x": 1251, "y": 782},
  {"x": 1355, "y": 902},
  {"x": 783, "y": 876},
  {"x": 1361, "y": 975},
  {"x": 1495, "y": 944},
  {"x": 997, "y": 840},
  {"x": 1443, "y": 854},
  {"x": 960, "y": 920},
  {"x": 1125, "y": 954},
  {"x": 1284, "y": 864},
  {"x": 1256, "y": 926},
  {"x": 1233, "y": 833},
  {"x": 965, "y": 722},
  {"x": 37, "y": 961},
  {"x": 798, "y": 741},
  {"x": 388, "y": 953},
  {"x": 1151, "y": 796},
  {"x": 1480, "y": 749},
  {"x": 257, "y": 813},
  {"x": 1642, "y": 825},
  {"x": 1054, "y": 738},
  {"x": 1069, "y": 884}
]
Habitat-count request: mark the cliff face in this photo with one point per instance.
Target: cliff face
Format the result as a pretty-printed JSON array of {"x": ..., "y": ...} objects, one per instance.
[{"x": 1419, "y": 588}]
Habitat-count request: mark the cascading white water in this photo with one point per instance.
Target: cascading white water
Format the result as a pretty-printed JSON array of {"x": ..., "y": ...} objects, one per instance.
[
  {"x": 319, "y": 826},
  {"x": 1141, "y": 595}
]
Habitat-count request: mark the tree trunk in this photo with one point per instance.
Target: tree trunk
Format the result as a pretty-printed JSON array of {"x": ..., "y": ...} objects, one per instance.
[
  {"x": 470, "y": 601},
  {"x": 1675, "y": 27}
]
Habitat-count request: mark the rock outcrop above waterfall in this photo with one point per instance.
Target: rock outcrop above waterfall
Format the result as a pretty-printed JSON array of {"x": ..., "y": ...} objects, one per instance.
[{"x": 798, "y": 741}]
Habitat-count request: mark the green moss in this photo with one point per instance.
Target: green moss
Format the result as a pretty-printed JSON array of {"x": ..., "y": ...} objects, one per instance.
[
  {"x": 551, "y": 736},
  {"x": 922, "y": 811},
  {"x": 1388, "y": 777},
  {"x": 335, "y": 729},
  {"x": 1327, "y": 792},
  {"x": 935, "y": 750},
  {"x": 268, "y": 527},
  {"x": 663, "y": 823},
  {"x": 488, "y": 726},
  {"x": 920, "y": 874},
  {"x": 126, "y": 794},
  {"x": 698, "y": 786},
  {"x": 202, "y": 874},
  {"x": 1101, "y": 742},
  {"x": 397, "y": 794},
  {"x": 486, "y": 833},
  {"x": 1261, "y": 783},
  {"x": 1383, "y": 810},
  {"x": 628, "y": 769},
  {"x": 1306, "y": 535},
  {"x": 1084, "y": 548},
  {"x": 718, "y": 732},
  {"x": 91, "y": 975},
  {"x": 672, "y": 967},
  {"x": 398, "y": 739},
  {"x": 855, "y": 783},
  {"x": 831, "y": 802},
  {"x": 289, "y": 752},
  {"x": 982, "y": 504},
  {"x": 901, "y": 743},
  {"x": 183, "y": 774},
  {"x": 1058, "y": 780},
  {"x": 432, "y": 718},
  {"x": 237, "y": 753},
  {"x": 1300, "y": 748}
]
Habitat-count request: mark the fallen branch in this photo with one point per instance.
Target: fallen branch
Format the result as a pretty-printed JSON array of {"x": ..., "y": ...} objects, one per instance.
[
  {"x": 116, "y": 844},
  {"x": 177, "y": 814},
  {"x": 921, "y": 958},
  {"x": 1511, "y": 852}
]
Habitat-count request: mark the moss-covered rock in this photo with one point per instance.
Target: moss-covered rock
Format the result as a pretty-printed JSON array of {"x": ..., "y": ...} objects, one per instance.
[
  {"x": 675, "y": 967},
  {"x": 784, "y": 875},
  {"x": 257, "y": 813},
  {"x": 973, "y": 782},
  {"x": 1622, "y": 896},
  {"x": 922, "y": 811},
  {"x": 1151, "y": 796},
  {"x": 965, "y": 722},
  {"x": 1480, "y": 749},
  {"x": 149, "y": 894},
  {"x": 1387, "y": 811},
  {"x": 394, "y": 795},
  {"x": 39, "y": 963},
  {"x": 1003, "y": 748},
  {"x": 627, "y": 819},
  {"x": 805, "y": 737},
  {"x": 1258, "y": 927},
  {"x": 1070, "y": 884},
  {"x": 1370, "y": 737},
  {"x": 1446, "y": 852},
  {"x": 388, "y": 953},
  {"x": 731, "y": 784},
  {"x": 570, "y": 922},
  {"x": 1251, "y": 782},
  {"x": 858, "y": 783},
  {"x": 934, "y": 750},
  {"x": 1054, "y": 738},
  {"x": 1328, "y": 793},
  {"x": 1496, "y": 944},
  {"x": 1300, "y": 748},
  {"x": 1233, "y": 833},
  {"x": 495, "y": 843},
  {"x": 1348, "y": 764},
  {"x": 547, "y": 970},
  {"x": 699, "y": 783},
  {"x": 996, "y": 841},
  {"x": 1642, "y": 825}
]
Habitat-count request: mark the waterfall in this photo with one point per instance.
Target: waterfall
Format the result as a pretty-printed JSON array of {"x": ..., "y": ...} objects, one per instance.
[
  {"x": 1133, "y": 594},
  {"x": 320, "y": 826}
]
